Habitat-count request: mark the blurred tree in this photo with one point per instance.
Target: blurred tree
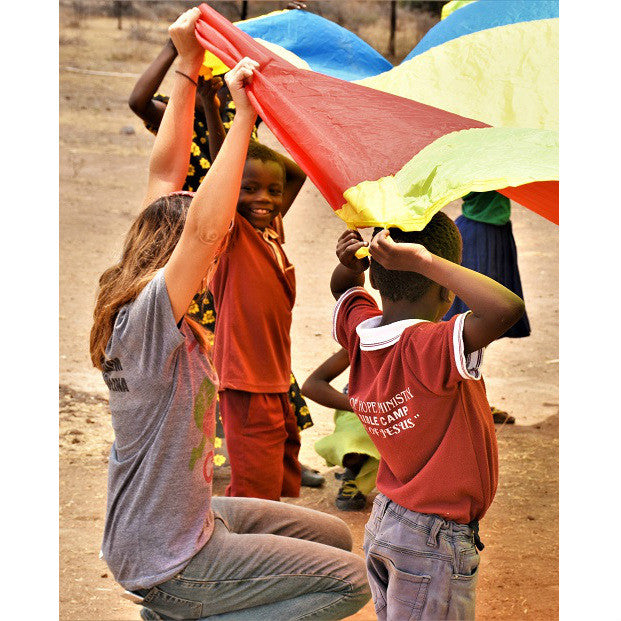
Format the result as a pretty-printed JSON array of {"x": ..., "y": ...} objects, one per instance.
[
  {"x": 428, "y": 6},
  {"x": 79, "y": 11},
  {"x": 393, "y": 27},
  {"x": 120, "y": 7}
]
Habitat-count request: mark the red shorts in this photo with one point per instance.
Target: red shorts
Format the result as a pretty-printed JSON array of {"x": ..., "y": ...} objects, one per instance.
[{"x": 263, "y": 443}]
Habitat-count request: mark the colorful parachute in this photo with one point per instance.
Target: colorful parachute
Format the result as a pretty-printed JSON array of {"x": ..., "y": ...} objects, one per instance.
[
  {"x": 309, "y": 41},
  {"x": 495, "y": 61},
  {"x": 212, "y": 65},
  {"x": 327, "y": 47},
  {"x": 381, "y": 159}
]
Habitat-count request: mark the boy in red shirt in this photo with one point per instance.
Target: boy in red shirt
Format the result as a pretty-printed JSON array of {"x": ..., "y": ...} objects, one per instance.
[
  {"x": 416, "y": 386},
  {"x": 254, "y": 291}
]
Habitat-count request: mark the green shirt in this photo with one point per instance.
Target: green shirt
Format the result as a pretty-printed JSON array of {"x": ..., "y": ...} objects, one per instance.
[{"x": 488, "y": 207}]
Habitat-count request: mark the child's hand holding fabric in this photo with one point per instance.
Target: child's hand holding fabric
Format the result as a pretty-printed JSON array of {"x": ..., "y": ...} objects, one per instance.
[
  {"x": 347, "y": 246},
  {"x": 402, "y": 257}
]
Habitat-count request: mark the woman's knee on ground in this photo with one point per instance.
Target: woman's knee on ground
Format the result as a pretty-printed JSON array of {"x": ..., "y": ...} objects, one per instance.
[
  {"x": 323, "y": 528},
  {"x": 338, "y": 533},
  {"x": 361, "y": 592}
]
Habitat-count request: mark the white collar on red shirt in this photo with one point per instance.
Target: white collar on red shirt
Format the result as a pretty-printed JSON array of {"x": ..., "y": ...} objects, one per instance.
[{"x": 373, "y": 336}]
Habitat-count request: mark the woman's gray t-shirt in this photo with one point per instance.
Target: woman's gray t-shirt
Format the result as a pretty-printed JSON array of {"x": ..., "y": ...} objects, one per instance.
[{"x": 162, "y": 399}]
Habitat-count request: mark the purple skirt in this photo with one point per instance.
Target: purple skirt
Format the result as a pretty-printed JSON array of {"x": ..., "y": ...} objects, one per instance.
[{"x": 490, "y": 249}]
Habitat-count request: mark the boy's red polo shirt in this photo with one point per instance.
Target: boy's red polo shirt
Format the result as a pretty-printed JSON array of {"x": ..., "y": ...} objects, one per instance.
[
  {"x": 253, "y": 297},
  {"x": 423, "y": 404}
]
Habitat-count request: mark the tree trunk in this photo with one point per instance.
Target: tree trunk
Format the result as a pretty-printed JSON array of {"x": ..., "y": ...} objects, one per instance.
[
  {"x": 117, "y": 7},
  {"x": 393, "y": 27}
]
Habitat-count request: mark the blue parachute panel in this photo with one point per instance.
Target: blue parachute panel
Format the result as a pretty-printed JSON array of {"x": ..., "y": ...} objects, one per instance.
[
  {"x": 483, "y": 15},
  {"x": 327, "y": 47}
]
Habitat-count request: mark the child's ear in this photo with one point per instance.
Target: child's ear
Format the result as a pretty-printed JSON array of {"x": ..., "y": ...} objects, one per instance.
[
  {"x": 371, "y": 279},
  {"x": 445, "y": 294}
]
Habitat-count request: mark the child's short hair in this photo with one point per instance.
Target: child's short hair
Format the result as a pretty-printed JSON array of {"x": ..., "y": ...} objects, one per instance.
[
  {"x": 258, "y": 151},
  {"x": 441, "y": 237}
]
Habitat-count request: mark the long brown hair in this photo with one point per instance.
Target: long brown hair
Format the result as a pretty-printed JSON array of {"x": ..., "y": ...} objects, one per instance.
[{"x": 148, "y": 246}]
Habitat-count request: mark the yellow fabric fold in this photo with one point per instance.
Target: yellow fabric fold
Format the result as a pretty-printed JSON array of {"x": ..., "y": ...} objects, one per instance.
[
  {"x": 473, "y": 160},
  {"x": 505, "y": 76},
  {"x": 452, "y": 6}
]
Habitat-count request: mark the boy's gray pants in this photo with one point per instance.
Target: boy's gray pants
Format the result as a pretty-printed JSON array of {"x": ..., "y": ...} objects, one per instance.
[{"x": 419, "y": 566}]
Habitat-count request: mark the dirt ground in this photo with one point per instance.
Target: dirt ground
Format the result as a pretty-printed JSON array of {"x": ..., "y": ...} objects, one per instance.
[{"x": 102, "y": 178}]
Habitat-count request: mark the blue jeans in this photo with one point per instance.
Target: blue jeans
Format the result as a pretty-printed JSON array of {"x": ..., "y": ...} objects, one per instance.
[
  {"x": 419, "y": 566},
  {"x": 265, "y": 561}
]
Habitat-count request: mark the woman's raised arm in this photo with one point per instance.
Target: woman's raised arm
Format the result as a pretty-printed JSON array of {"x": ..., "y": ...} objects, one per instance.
[
  {"x": 213, "y": 207},
  {"x": 170, "y": 157}
]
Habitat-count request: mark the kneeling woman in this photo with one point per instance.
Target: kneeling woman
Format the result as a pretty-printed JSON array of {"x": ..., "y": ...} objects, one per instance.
[{"x": 182, "y": 553}]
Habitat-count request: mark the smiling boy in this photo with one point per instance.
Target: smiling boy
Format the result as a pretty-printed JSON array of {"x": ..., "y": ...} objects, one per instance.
[{"x": 254, "y": 293}]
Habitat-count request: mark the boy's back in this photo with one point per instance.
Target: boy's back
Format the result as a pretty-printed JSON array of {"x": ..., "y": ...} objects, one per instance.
[
  {"x": 423, "y": 404},
  {"x": 439, "y": 467}
]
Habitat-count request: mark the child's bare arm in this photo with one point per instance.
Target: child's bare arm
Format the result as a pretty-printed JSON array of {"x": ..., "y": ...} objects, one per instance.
[
  {"x": 295, "y": 178},
  {"x": 317, "y": 386},
  {"x": 494, "y": 308},
  {"x": 350, "y": 272},
  {"x": 207, "y": 91},
  {"x": 141, "y": 99}
]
